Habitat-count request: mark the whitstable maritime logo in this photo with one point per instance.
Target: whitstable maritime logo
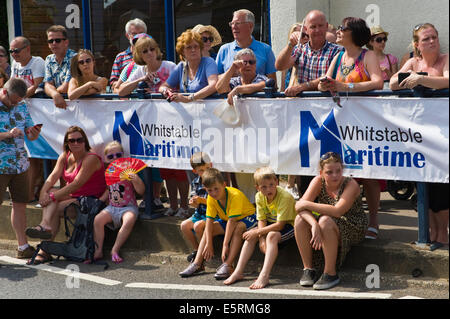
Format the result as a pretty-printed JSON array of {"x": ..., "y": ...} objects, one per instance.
[{"x": 337, "y": 139}]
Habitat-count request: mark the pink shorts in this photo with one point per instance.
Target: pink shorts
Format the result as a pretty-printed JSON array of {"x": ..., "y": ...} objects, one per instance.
[{"x": 178, "y": 174}]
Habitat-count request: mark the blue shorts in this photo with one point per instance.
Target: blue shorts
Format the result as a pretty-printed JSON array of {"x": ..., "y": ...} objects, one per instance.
[
  {"x": 197, "y": 217},
  {"x": 286, "y": 233},
  {"x": 249, "y": 221}
]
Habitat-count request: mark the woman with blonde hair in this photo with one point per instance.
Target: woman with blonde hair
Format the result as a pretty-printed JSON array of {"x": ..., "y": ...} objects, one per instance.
[
  {"x": 210, "y": 37},
  {"x": 152, "y": 69},
  {"x": 427, "y": 58},
  {"x": 84, "y": 81}
]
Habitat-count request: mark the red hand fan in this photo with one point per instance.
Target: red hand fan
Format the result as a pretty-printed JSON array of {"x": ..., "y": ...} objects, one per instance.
[{"x": 120, "y": 169}]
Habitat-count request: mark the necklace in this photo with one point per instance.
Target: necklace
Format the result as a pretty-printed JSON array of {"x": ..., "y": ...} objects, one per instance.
[{"x": 347, "y": 69}]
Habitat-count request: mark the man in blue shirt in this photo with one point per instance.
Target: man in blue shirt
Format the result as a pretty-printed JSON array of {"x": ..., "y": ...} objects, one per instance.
[{"x": 242, "y": 27}]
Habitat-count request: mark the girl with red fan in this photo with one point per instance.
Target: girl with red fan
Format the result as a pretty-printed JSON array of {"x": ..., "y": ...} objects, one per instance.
[{"x": 122, "y": 211}]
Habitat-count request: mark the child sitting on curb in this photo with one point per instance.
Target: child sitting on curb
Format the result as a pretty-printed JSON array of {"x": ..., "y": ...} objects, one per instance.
[
  {"x": 275, "y": 212},
  {"x": 193, "y": 227},
  {"x": 236, "y": 215}
]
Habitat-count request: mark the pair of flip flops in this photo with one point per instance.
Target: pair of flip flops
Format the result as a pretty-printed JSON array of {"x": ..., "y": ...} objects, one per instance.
[
  {"x": 38, "y": 232},
  {"x": 373, "y": 230}
]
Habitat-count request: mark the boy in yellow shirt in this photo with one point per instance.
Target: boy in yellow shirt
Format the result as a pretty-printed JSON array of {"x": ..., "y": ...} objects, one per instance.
[
  {"x": 275, "y": 212},
  {"x": 236, "y": 215}
]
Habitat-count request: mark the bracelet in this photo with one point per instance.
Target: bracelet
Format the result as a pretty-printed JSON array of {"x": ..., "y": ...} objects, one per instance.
[
  {"x": 52, "y": 196},
  {"x": 191, "y": 97}
]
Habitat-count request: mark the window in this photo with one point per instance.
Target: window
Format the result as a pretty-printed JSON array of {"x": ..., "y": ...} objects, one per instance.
[
  {"x": 108, "y": 20},
  {"x": 39, "y": 15}
]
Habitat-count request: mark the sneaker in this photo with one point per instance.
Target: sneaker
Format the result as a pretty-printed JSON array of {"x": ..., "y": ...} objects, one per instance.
[
  {"x": 191, "y": 270},
  {"x": 25, "y": 254},
  {"x": 326, "y": 282},
  {"x": 142, "y": 205},
  {"x": 158, "y": 205},
  {"x": 182, "y": 213},
  {"x": 192, "y": 256},
  {"x": 223, "y": 272},
  {"x": 308, "y": 278},
  {"x": 293, "y": 191},
  {"x": 170, "y": 212}
]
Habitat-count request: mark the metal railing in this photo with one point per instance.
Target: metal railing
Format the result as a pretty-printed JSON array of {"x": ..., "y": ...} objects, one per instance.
[{"x": 269, "y": 92}]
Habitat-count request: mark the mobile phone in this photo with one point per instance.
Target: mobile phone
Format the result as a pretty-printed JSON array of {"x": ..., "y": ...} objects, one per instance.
[
  {"x": 324, "y": 79},
  {"x": 39, "y": 125},
  {"x": 404, "y": 75}
]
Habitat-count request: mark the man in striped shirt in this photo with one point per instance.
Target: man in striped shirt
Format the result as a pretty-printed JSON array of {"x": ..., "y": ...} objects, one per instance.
[
  {"x": 132, "y": 28},
  {"x": 311, "y": 59}
]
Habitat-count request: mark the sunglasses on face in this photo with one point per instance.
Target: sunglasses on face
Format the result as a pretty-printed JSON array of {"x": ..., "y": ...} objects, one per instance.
[
  {"x": 76, "y": 140},
  {"x": 50, "y": 41},
  {"x": 87, "y": 61},
  {"x": 16, "y": 51},
  {"x": 147, "y": 50},
  {"x": 342, "y": 28},
  {"x": 206, "y": 39},
  {"x": 379, "y": 40},
  {"x": 116, "y": 155},
  {"x": 251, "y": 62}
]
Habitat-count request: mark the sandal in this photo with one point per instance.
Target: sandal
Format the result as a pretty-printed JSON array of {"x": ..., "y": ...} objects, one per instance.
[
  {"x": 115, "y": 258},
  {"x": 38, "y": 232},
  {"x": 45, "y": 258},
  {"x": 372, "y": 230}
]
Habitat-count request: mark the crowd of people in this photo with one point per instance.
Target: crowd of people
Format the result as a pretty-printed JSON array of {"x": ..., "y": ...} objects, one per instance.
[{"x": 324, "y": 213}]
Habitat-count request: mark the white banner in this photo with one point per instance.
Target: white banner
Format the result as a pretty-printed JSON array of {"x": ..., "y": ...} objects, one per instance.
[{"x": 383, "y": 138}]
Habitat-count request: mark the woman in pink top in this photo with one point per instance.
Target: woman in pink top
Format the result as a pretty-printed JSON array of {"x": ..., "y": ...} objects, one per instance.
[
  {"x": 83, "y": 172},
  {"x": 388, "y": 62}
]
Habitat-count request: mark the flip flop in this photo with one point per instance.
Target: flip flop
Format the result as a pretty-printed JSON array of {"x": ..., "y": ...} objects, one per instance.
[
  {"x": 45, "y": 258},
  {"x": 115, "y": 258},
  {"x": 38, "y": 232},
  {"x": 372, "y": 230}
]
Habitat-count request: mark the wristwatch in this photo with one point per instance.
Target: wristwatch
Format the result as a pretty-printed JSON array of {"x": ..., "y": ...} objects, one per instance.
[
  {"x": 351, "y": 86},
  {"x": 191, "y": 97}
]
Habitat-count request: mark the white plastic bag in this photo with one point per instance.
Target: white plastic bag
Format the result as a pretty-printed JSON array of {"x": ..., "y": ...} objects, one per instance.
[{"x": 228, "y": 113}]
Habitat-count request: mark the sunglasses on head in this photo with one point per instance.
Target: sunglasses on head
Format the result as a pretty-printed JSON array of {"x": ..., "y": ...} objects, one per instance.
[
  {"x": 116, "y": 155},
  {"x": 50, "y": 41},
  {"x": 418, "y": 26},
  {"x": 327, "y": 155},
  {"x": 206, "y": 39},
  {"x": 16, "y": 50},
  {"x": 146, "y": 50},
  {"x": 381, "y": 39},
  {"x": 88, "y": 60},
  {"x": 342, "y": 28},
  {"x": 251, "y": 62},
  {"x": 75, "y": 140}
]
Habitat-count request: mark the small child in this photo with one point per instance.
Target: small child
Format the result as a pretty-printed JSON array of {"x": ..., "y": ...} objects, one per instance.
[
  {"x": 275, "y": 212},
  {"x": 122, "y": 210},
  {"x": 236, "y": 215},
  {"x": 193, "y": 227}
]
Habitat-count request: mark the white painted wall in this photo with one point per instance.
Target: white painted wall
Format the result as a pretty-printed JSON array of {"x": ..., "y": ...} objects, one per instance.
[{"x": 396, "y": 17}]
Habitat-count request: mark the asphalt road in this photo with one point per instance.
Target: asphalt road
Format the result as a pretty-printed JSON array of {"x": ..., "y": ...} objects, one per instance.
[{"x": 142, "y": 279}]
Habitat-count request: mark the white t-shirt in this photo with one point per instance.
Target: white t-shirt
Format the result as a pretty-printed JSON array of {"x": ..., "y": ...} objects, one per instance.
[
  {"x": 162, "y": 74},
  {"x": 34, "y": 69}
]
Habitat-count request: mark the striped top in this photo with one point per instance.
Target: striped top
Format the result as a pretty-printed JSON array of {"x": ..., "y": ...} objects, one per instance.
[
  {"x": 122, "y": 59},
  {"x": 313, "y": 64}
]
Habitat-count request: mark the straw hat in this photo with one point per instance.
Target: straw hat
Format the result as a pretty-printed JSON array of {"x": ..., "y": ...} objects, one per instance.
[
  {"x": 200, "y": 28},
  {"x": 377, "y": 30}
]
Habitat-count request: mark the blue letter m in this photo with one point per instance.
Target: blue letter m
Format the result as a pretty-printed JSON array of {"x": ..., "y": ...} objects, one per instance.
[
  {"x": 328, "y": 135},
  {"x": 132, "y": 129}
]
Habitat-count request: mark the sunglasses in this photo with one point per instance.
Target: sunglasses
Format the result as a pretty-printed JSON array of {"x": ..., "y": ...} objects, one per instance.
[
  {"x": 251, "y": 62},
  {"x": 328, "y": 155},
  {"x": 76, "y": 140},
  {"x": 206, "y": 39},
  {"x": 87, "y": 61},
  {"x": 116, "y": 155},
  {"x": 418, "y": 26},
  {"x": 146, "y": 50},
  {"x": 379, "y": 40},
  {"x": 16, "y": 50},
  {"x": 50, "y": 41},
  {"x": 342, "y": 28}
]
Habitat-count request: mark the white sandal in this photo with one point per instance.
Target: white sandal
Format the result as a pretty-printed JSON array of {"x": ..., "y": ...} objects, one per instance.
[{"x": 372, "y": 230}]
